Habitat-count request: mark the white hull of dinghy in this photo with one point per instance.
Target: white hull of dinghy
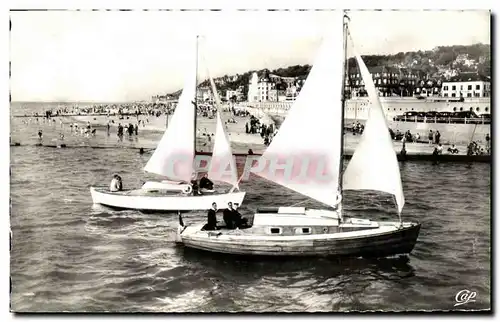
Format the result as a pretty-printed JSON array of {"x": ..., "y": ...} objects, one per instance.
[{"x": 153, "y": 201}]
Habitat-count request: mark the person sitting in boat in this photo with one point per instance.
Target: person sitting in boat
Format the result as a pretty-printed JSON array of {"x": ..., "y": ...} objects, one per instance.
[
  {"x": 206, "y": 185},
  {"x": 453, "y": 149},
  {"x": 228, "y": 216},
  {"x": 239, "y": 221},
  {"x": 211, "y": 218},
  {"x": 116, "y": 184},
  {"x": 194, "y": 185}
]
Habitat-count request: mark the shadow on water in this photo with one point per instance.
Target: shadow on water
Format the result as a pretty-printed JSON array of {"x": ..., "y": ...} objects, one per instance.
[
  {"x": 287, "y": 284},
  {"x": 319, "y": 266}
]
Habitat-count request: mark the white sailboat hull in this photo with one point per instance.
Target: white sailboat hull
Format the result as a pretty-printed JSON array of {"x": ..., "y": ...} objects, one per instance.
[
  {"x": 358, "y": 237},
  {"x": 153, "y": 201}
]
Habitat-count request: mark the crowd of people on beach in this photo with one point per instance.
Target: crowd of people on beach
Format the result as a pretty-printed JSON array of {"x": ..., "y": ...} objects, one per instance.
[
  {"x": 254, "y": 125},
  {"x": 267, "y": 132},
  {"x": 85, "y": 130},
  {"x": 153, "y": 109},
  {"x": 432, "y": 138},
  {"x": 142, "y": 118}
]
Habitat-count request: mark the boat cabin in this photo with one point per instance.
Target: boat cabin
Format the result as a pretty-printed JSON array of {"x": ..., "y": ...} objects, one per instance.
[{"x": 293, "y": 221}]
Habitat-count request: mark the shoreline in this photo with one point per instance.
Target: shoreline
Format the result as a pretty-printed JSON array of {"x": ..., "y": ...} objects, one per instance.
[
  {"x": 410, "y": 156},
  {"x": 241, "y": 142}
]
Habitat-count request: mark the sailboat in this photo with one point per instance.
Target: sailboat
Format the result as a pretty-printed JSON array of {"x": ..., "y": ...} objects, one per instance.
[
  {"x": 173, "y": 159},
  {"x": 299, "y": 231}
]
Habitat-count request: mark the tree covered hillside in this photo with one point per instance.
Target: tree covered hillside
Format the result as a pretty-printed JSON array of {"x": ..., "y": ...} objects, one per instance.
[{"x": 435, "y": 63}]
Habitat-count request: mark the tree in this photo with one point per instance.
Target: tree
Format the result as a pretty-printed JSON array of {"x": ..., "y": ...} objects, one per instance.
[{"x": 445, "y": 58}]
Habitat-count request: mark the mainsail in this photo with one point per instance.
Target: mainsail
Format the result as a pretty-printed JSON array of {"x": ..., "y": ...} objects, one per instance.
[
  {"x": 310, "y": 137},
  {"x": 174, "y": 155},
  {"x": 374, "y": 165},
  {"x": 222, "y": 164}
]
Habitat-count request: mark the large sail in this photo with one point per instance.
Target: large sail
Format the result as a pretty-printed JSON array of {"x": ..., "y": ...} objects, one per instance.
[
  {"x": 374, "y": 164},
  {"x": 174, "y": 155},
  {"x": 309, "y": 140},
  {"x": 222, "y": 165}
]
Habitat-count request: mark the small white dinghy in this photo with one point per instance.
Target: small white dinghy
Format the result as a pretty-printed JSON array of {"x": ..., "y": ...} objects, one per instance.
[
  {"x": 296, "y": 231},
  {"x": 174, "y": 160}
]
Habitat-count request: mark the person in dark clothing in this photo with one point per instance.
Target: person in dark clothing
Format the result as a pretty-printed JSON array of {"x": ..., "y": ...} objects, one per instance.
[
  {"x": 120, "y": 130},
  {"x": 438, "y": 137},
  {"x": 435, "y": 155},
  {"x": 403, "y": 151},
  {"x": 206, "y": 183},
  {"x": 487, "y": 138},
  {"x": 239, "y": 221},
  {"x": 120, "y": 183},
  {"x": 211, "y": 218},
  {"x": 40, "y": 134},
  {"x": 136, "y": 129},
  {"x": 250, "y": 152},
  {"x": 194, "y": 185},
  {"x": 470, "y": 149},
  {"x": 228, "y": 216}
]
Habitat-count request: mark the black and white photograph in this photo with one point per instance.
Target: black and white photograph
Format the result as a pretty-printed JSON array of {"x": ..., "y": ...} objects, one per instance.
[{"x": 250, "y": 161}]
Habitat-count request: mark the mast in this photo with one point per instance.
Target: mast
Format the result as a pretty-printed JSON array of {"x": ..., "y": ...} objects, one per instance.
[
  {"x": 195, "y": 104},
  {"x": 343, "y": 100}
]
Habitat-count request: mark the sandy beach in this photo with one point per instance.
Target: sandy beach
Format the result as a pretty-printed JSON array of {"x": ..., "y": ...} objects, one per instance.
[
  {"x": 152, "y": 130},
  {"x": 205, "y": 125}
]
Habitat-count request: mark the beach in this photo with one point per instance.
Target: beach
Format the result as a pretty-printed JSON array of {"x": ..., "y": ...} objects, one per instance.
[{"x": 153, "y": 128}]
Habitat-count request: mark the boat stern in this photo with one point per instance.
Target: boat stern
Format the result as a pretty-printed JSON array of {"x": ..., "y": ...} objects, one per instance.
[{"x": 95, "y": 195}]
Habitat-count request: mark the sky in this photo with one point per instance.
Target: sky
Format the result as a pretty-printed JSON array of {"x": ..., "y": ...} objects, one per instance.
[{"x": 113, "y": 56}]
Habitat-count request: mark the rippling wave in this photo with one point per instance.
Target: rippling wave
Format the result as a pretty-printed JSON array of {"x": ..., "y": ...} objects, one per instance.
[{"x": 68, "y": 255}]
